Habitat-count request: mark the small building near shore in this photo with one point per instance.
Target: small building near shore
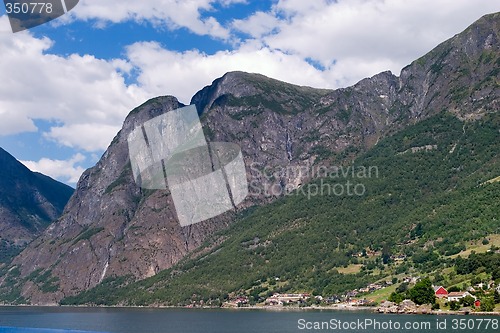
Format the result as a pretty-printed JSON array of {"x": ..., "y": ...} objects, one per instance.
[
  {"x": 281, "y": 299},
  {"x": 456, "y": 296},
  {"x": 440, "y": 292}
]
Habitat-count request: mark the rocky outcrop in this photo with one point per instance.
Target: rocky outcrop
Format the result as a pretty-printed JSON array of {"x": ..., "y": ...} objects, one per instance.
[
  {"x": 405, "y": 307},
  {"x": 111, "y": 227}
]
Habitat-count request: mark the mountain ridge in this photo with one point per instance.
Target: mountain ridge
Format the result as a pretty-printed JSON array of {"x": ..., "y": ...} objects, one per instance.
[
  {"x": 29, "y": 202},
  {"x": 428, "y": 202},
  {"x": 111, "y": 227}
]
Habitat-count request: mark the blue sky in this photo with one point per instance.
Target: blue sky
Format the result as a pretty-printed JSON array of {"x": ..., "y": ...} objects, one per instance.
[{"x": 66, "y": 86}]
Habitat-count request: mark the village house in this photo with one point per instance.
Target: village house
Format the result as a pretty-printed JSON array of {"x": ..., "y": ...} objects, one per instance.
[
  {"x": 273, "y": 301},
  {"x": 353, "y": 302},
  {"x": 236, "y": 302},
  {"x": 483, "y": 285},
  {"x": 373, "y": 287},
  {"x": 400, "y": 257},
  {"x": 332, "y": 300},
  {"x": 363, "y": 301},
  {"x": 281, "y": 299},
  {"x": 411, "y": 279},
  {"x": 440, "y": 292},
  {"x": 456, "y": 296}
]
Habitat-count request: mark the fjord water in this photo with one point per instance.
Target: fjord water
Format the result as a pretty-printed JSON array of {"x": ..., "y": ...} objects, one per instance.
[{"x": 118, "y": 320}]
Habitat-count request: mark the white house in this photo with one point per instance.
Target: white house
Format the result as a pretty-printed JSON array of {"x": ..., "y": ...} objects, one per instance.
[{"x": 456, "y": 296}]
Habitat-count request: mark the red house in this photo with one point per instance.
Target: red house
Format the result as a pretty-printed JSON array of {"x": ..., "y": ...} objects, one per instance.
[
  {"x": 440, "y": 292},
  {"x": 477, "y": 303}
]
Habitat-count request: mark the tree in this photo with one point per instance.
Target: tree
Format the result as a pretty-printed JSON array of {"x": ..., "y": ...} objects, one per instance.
[
  {"x": 467, "y": 301},
  {"x": 496, "y": 297},
  {"x": 487, "y": 305},
  {"x": 386, "y": 254},
  {"x": 475, "y": 280},
  {"x": 418, "y": 231},
  {"x": 397, "y": 297},
  {"x": 495, "y": 275},
  {"x": 438, "y": 278},
  {"x": 454, "y": 306},
  {"x": 423, "y": 293},
  {"x": 403, "y": 287}
]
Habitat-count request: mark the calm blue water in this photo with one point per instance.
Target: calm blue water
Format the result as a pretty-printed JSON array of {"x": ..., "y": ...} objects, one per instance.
[{"x": 222, "y": 321}]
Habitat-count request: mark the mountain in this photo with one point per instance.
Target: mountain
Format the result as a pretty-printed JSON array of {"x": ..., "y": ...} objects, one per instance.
[
  {"x": 29, "y": 202},
  {"x": 113, "y": 233},
  {"x": 434, "y": 192}
]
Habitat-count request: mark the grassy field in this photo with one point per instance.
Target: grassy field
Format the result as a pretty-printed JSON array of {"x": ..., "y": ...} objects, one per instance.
[
  {"x": 351, "y": 269},
  {"x": 380, "y": 295},
  {"x": 494, "y": 180},
  {"x": 479, "y": 247}
]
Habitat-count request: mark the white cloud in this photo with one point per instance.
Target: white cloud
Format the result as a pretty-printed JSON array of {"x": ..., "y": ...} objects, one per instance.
[
  {"x": 63, "y": 170},
  {"x": 86, "y": 95},
  {"x": 97, "y": 136},
  {"x": 173, "y": 14},
  {"x": 227, "y": 3},
  {"x": 359, "y": 38},
  {"x": 257, "y": 25},
  {"x": 183, "y": 74},
  {"x": 350, "y": 40},
  {"x": 12, "y": 123}
]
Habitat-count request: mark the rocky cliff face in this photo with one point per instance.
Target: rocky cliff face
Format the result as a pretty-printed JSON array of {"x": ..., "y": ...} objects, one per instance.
[
  {"x": 284, "y": 126},
  {"x": 29, "y": 201},
  {"x": 111, "y": 227}
]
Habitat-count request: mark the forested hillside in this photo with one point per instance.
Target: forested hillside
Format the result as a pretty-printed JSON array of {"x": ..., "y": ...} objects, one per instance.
[{"x": 433, "y": 194}]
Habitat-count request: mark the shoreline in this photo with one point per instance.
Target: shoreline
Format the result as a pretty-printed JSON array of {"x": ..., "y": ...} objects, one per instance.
[{"x": 344, "y": 308}]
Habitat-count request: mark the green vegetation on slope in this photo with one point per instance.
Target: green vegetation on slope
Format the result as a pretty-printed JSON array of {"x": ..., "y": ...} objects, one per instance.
[
  {"x": 424, "y": 205},
  {"x": 475, "y": 269}
]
